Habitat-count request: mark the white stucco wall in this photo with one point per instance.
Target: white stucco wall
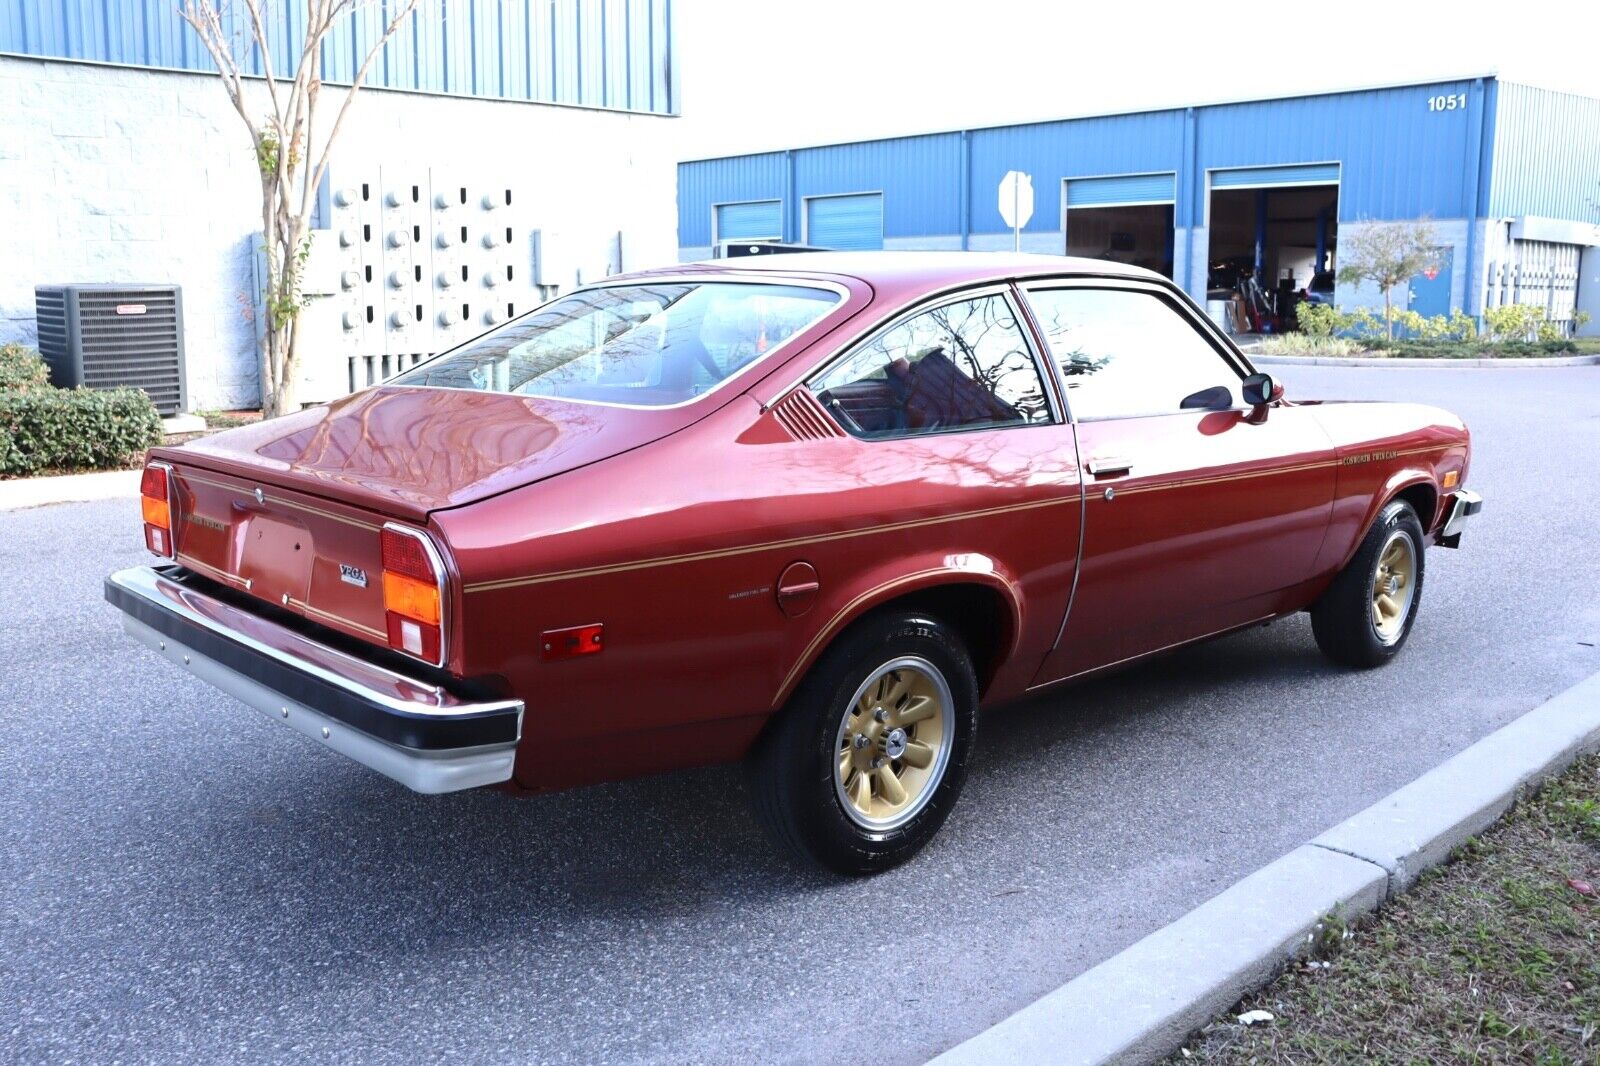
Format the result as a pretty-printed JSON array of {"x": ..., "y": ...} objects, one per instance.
[{"x": 116, "y": 174}]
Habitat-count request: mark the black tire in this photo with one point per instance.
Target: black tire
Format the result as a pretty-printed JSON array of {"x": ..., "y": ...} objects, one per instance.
[
  {"x": 1343, "y": 619},
  {"x": 791, "y": 772}
]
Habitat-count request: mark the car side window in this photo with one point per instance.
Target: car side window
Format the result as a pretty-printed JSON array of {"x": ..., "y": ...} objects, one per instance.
[
  {"x": 1125, "y": 353},
  {"x": 963, "y": 365}
]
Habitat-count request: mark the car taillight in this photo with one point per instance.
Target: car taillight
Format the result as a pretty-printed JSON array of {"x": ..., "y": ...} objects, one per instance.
[
  {"x": 155, "y": 500},
  {"x": 413, "y": 593}
]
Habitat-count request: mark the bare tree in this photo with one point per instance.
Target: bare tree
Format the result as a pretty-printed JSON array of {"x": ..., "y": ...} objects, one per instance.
[
  {"x": 1386, "y": 253},
  {"x": 284, "y": 140}
]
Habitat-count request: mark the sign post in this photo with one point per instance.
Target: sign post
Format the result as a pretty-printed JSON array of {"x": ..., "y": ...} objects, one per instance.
[{"x": 1016, "y": 203}]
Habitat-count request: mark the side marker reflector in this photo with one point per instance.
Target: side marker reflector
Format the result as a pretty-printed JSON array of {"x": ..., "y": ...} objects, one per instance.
[{"x": 572, "y": 642}]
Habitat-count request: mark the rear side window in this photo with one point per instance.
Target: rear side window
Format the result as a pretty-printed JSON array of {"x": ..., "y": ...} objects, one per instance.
[
  {"x": 646, "y": 345},
  {"x": 1125, "y": 353},
  {"x": 964, "y": 365}
]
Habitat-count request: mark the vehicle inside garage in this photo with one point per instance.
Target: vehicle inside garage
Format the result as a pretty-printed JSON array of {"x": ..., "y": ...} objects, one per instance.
[{"x": 1272, "y": 244}]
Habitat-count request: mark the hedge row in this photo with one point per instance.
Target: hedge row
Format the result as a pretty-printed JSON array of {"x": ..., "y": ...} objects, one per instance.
[{"x": 74, "y": 429}]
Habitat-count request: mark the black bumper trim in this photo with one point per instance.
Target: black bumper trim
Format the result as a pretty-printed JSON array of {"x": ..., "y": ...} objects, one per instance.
[{"x": 422, "y": 731}]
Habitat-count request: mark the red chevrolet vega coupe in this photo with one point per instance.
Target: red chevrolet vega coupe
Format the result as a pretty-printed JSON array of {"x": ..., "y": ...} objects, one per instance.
[{"x": 812, "y": 512}]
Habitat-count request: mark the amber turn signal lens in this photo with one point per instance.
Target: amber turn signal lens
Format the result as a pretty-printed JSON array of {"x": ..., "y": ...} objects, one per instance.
[
  {"x": 1451, "y": 478},
  {"x": 156, "y": 512},
  {"x": 410, "y": 598}
]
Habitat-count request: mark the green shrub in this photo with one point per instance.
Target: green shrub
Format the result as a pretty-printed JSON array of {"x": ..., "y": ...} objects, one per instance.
[
  {"x": 21, "y": 368},
  {"x": 1515, "y": 322},
  {"x": 74, "y": 429},
  {"x": 1316, "y": 320}
]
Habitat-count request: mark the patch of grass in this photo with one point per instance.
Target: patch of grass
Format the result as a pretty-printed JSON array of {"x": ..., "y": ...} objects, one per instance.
[
  {"x": 219, "y": 420},
  {"x": 1494, "y": 957},
  {"x": 1303, "y": 344},
  {"x": 1308, "y": 346}
]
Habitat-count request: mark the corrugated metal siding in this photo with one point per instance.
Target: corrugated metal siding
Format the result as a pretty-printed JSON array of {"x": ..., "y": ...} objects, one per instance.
[
  {"x": 1051, "y": 151},
  {"x": 1546, "y": 155},
  {"x": 916, "y": 175},
  {"x": 1396, "y": 159},
  {"x": 1400, "y": 160},
  {"x": 750, "y": 177},
  {"x": 594, "y": 53}
]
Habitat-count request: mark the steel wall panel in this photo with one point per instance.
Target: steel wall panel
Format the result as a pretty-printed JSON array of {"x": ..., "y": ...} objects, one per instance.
[
  {"x": 1078, "y": 148},
  {"x": 756, "y": 177},
  {"x": 458, "y": 39},
  {"x": 918, "y": 177},
  {"x": 1546, "y": 154},
  {"x": 591, "y": 50},
  {"x": 1399, "y": 159},
  {"x": 513, "y": 43},
  {"x": 615, "y": 54},
  {"x": 617, "y": 75},
  {"x": 638, "y": 56}
]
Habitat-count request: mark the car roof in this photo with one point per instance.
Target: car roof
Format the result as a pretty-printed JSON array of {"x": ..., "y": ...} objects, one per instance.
[{"x": 910, "y": 269}]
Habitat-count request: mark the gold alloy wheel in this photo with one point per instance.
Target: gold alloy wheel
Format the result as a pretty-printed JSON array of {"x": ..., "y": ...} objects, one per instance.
[
  {"x": 894, "y": 743},
  {"x": 1393, "y": 584}
]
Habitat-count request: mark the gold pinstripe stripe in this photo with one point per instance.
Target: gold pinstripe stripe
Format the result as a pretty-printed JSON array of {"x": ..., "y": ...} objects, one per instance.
[
  {"x": 827, "y": 630},
  {"x": 208, "y": 570},
  {"x": 693, "y": 557},
  {"x": 341, "y": 619},
  {"x": 358, "y": 523},
  {"x": 668, "y": 560}
]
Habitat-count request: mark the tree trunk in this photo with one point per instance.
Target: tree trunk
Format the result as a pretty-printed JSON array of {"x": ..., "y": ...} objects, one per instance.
[{"x": 1388, "y": 314}]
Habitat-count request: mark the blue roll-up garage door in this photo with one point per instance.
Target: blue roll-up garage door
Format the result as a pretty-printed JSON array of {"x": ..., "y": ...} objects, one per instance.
[
  {"x": 1121, "y": 191},
  {"x": 761, "y": 220},
  {"x": 845, "y": 222},
  {"x": 1276, "y": 177}
]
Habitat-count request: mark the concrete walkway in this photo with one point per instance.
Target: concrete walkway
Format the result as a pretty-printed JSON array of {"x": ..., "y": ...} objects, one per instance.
[{"x": 69, "y": 488}]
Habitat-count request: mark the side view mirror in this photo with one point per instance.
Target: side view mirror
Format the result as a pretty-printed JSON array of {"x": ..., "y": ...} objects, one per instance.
[{"x": 1259, "y": 390}]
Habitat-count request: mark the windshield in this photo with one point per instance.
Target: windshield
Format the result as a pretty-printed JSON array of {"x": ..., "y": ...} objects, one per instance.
[{"x": 649, "y": 345}]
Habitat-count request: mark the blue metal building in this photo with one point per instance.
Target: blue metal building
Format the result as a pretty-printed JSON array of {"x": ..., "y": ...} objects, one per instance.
[
  {"x": 1508, "y": 175},
  {"x": 613, "y": 54}
]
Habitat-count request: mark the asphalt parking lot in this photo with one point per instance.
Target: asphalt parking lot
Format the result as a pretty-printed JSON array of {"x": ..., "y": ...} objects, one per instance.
[{"x": 183, "y": 879}]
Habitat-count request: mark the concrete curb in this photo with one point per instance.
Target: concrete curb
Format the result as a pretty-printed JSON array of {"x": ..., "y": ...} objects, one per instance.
[
  {"x": 1353, "y": 360},
  {"x": 68, "y": 488},
  {"x": 1142, "y": 1003}
]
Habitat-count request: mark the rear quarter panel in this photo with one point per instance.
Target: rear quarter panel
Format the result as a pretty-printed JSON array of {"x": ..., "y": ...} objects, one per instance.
[
  {"x": 1382, "y": 450},
  {"x": 676, "y": 548}
]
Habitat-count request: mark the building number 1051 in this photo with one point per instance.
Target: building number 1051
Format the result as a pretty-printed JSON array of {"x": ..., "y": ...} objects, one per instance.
[{"x": 1453, "y": 102}]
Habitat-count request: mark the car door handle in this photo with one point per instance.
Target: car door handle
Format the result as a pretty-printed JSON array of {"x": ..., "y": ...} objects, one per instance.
[{"x": 1109, "y": 466}]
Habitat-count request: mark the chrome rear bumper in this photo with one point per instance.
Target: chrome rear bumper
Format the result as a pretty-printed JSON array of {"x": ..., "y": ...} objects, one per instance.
[{"x": 411, "y": 730}]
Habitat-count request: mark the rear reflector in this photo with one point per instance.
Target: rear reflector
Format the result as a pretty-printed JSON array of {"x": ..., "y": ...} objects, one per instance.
[{"x": 572, "y": 642}]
